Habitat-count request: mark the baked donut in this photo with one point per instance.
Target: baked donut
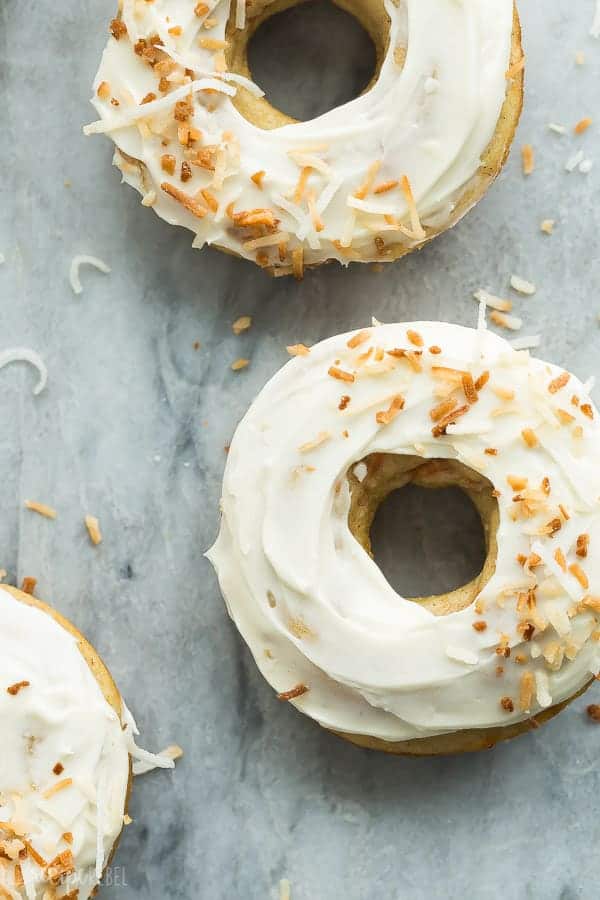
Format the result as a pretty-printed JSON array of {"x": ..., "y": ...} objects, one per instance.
[
  {"x": 338, "y": 428},
  {"x": 66, "y": 749},
  {"x": 370, "y": 180}
]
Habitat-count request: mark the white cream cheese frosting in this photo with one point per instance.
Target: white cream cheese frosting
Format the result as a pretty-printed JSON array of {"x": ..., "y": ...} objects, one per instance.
[
  {"x": 315, "y": 190},
  {"x": 65, "y": 761},
  {"x": 315, "y": 609}
]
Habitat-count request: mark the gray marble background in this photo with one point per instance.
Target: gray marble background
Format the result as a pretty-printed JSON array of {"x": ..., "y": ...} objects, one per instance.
[{"x": 132, "y": 428}]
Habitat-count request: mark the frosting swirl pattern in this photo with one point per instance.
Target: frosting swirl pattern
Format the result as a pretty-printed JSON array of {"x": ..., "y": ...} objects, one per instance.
[
  {"x": 315, "y": 609},
  {"x": 307, "y": 191}
]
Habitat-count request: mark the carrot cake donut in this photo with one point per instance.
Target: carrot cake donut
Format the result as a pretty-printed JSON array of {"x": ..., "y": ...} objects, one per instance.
[
  {"x": 339, "y": 427},
  {"x": 370, "y": 180},
  {"x": 67, "y": 743}
]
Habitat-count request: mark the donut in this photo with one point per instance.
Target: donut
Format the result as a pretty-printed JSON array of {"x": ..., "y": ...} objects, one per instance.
[
  {"x": 338, "y": 428},
  {"x": 368, "y": 181},
  {"x": 66, "y": 755}
]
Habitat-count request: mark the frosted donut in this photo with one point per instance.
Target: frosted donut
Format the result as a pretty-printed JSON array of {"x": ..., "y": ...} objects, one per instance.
[
  {"x": 66, "y": 749},
  {"x": 333, "y": 432},
  {"x": 370, "y": 180}
]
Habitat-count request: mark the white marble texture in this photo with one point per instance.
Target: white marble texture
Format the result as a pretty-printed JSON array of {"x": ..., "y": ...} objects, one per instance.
[{"x": 132, "y": 426}]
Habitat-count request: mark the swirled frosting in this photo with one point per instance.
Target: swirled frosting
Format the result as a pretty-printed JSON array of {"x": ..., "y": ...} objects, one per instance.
[
  {"x": 308, "y": 191},
  {"x": 315, "y": 609},
  {"x": 65, "y": 761}
]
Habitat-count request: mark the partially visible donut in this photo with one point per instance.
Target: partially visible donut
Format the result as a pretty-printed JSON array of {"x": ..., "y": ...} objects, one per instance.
[
  {"x": 65, "y": 772},
  {"x": 370, "y": 180},
  {"x": 335, "y": 431}
]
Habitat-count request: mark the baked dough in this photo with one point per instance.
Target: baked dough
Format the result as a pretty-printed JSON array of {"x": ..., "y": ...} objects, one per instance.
[
  {"x": 66, "y": 773},
  {"x": 368, "y": 181},
  {"x": 333, "y": 432}
]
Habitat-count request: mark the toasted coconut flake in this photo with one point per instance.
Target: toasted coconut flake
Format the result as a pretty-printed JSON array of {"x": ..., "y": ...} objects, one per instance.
[
  {"x": 190, "y": 203},
  {"x": 284, "y": 889},
  {"x": 559, "y": 382},
  {"x": 564, "y": 417},
  {"x": 93, "y": 529},
  {"x": 413, "y": 357},
  {"x": 547, "y": 225},
  {"x": 320, "y": 439},
  {"x": 367, "y": 184},
  {"x": 516, "y": 482},
  {"x": 385, "y": 186},
  {"x": 587, "y": 410},
  {"x": 267, "y": 240},
  {"x": 522, "y": 286},
  {"x": 387, "y": 416},
  {"x": 493, "y": 302},
  {"x": 414, "y": 337},
  {"x": 14, "y": 689},
  {"x": 338, "y": 373},
  {"x": 512, "y": 323},
  {"x": 56, "y": 788},
  {"x": 298, "y": 350},
  {"x": 442, "y": 409},
  {"x": 469, "y": 390},
  {"x": 506, "y": 703},
  {"x": 582, "y": 125},
  {"x": 47, "y": 511},
  {"x": 482, "y": 380},
  {"x": 28, "y": 585},
  {"x": 449, "y": 419},
  {"x": 528, "y": 159},
  {"x": 240, "y": 364},
  {"x": 415, "y": 221},
  {"x": 480, "y": 625},
  {"x": 359, "y": 338},
  {"x": 578, "y": 573},
  {"x": 293, "y": 693},
  {"x": 241, "y": 324},
  {"x": 530, "y": 438},
  {"x": 583, "y": 542},
  {"x": 526, "y": 691}
]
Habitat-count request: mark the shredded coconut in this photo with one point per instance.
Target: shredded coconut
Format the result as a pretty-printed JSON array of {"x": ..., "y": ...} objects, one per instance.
[
  {"x": 573, "y": 161},
  {"x": 24, "y": 354},
  {"x": 360, "y": 471},
  {"x": 521, "y": 285},
  {"x": 542, "y": 688},
  {"x": 529, "y": 342},
  {"x": 492, "y": 301},
  {"x": 284, "y": 889},
  {"x": 143, "y": 760},
  {"x": 595, "y": 29},
  {"x": 144, "y": 110},
  {"x": 557, "y": 129},
  {"x": 83, "y": 260},
  {"x": 585, "y": 166}
]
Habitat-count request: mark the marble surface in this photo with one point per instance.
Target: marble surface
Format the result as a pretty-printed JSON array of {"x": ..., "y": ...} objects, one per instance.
[{"x": 132, "y": 428}]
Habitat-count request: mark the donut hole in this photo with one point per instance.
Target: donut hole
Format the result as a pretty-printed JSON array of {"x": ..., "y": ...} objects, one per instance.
[
  {"x": 308, "y": 57},
  {"x": 428, "y": 542},
  {"x": 429, "y": 524}
]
